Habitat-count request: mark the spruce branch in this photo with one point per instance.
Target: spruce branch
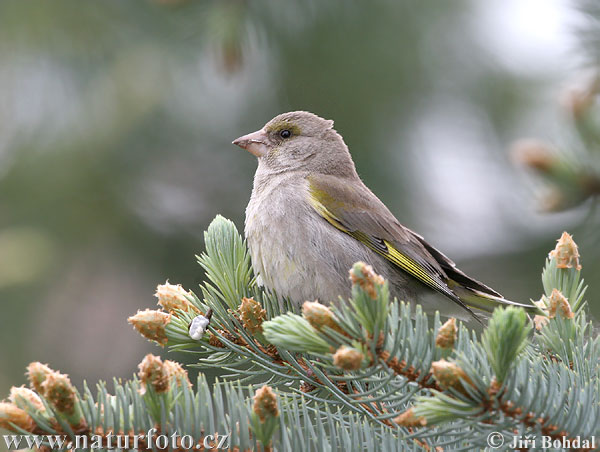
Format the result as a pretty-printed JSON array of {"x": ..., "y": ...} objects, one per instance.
[
  {"x": 505, "y": 338},
  {"x": 535, "y": 387},
  {"x": 371, "y": 357},
  {"x": 366, "y": 371},
  {"x": 223, "y": 416}
]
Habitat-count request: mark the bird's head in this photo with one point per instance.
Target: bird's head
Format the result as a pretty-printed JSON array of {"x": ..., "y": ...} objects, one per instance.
[{"x": 299, "y": 140}]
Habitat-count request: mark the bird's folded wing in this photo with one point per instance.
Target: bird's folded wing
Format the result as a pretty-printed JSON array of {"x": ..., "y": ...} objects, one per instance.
[{"x": 360, "y": 214}]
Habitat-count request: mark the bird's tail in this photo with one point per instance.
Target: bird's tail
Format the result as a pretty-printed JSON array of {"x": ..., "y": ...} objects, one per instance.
[{"x": 482, "y": 301}]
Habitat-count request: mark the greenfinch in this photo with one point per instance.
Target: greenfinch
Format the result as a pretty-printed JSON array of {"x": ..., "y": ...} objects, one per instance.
[{"x": 310, "y": 218}]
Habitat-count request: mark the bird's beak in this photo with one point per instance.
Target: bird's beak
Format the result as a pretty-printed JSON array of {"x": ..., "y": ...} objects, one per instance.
[{"x": 254, "y": 142}]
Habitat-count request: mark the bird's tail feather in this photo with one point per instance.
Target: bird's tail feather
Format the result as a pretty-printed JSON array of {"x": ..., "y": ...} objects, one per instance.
[{"x": 487, "y": 302}]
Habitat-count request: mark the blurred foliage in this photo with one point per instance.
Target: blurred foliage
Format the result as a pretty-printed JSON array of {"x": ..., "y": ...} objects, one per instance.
[
  {"x": 572, "y": 172},
  {"x": 115, "y": 126},
  {"x": 587, "y": 30}
]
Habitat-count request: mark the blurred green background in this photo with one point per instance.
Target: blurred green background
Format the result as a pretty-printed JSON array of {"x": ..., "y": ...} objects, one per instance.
[{"x": 116, "y": 122}]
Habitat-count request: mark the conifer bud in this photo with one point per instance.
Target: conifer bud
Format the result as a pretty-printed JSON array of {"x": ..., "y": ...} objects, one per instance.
[
  {"x": 364, "y": 276},
  {"x": 23, "y": 397},
  {"x": 59, "y": 391},
  {"x": 577, "y": 100},
  {"x": 172, "y": 297},
  {"x": 154, "y": 374},
  {"x": 540, "y": 321},
  {"x": 447, "y": 334},
  {"x": 534, "y": 154},
  {"x": 252, "y": 315},
  {"x": 213, "y": 340},
  {"x": 408, "y": 419},
  {"x": 557, "y": 303},
  {"x": 151, "y": 324},
  {"x": 10, "y": 413},
  {"x": 566, "y": 253},
  {"x": 554, "y": 200},
  {"x": 37, "y": 373},
  {"x": 347, "y": 358},
  {"x": 320, "y": 316},
  {"x": 265, "y": 404},
  {"x": 449, "y": 375},
  {"x": 62, "y": 395},
  {"x": 175, "y": 370}
]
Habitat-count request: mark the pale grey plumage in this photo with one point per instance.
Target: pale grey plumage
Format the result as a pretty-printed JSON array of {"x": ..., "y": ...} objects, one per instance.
[
  {"x": 295, "y": 258},
  {"x": 304, "y": 254}
]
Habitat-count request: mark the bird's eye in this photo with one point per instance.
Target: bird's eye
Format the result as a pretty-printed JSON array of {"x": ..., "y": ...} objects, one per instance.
[{"x": 285, "y": 133}]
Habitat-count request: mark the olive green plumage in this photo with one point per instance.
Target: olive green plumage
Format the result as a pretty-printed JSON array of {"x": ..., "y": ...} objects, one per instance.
[{"x": 310, "y": 217}]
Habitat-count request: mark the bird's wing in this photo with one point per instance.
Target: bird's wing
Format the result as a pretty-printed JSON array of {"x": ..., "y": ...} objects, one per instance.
[
  {"x": 473, "y": 293},
  {"x": 455, "y": 275},
  {"x": 363, "y": 216}
]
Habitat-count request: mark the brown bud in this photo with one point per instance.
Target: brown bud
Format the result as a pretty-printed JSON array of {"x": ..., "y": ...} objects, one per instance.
[
  {"x": 566, "y": 253},
  {"x": 578, "y": 99},
  {"x": 153, "y": 373},
  {"x": 320, "y": 316},
  {"x": 540, "y": 321},
  {"x": 558, "y": 303},
  {"x": 307, "y": 387},
  {"x": 213, "y": 340},
  {"x": 173, "y": 297},
  {"x": 363, "y": 275},
  {"x": 10, "y": 413},
  {"x": 408, "y": 419},
  {"x": 577, "y": 102},
  {"x": 449, "y": 375},
  {"x": 554, "y": 200},
  {"x": 23, "y": 397},
  {"x": 37, "y": 373},
  {"x": 252, "y": 315},
  {"x": 265, "y": 403},
  {"x": 541, "y": 303},
  {"x": 175, "y": 370},
  {"x": 151, "y": 324},
  {"x": 533, "y": 154},
  {"x": 447, "y": 334},
  {"x": 60, "y": 392},
  {"x": 347, "y": 358}
]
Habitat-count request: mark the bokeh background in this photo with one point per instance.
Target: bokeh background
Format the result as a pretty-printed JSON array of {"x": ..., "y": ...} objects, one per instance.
[{"x": 116, "y": 122}]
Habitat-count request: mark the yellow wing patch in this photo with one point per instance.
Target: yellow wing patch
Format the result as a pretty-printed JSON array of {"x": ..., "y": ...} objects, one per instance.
[
  {"x": 389, "y": 252},
  {"x": 322, "y": 210},
  {"x": 409, "y": 265}
]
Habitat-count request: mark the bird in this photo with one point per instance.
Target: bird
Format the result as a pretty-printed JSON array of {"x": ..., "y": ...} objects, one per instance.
[{"x": 310, "y": 218}]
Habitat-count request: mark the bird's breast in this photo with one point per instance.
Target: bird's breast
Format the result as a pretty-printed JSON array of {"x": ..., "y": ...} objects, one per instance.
[{"x": 292, "y": 249}]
